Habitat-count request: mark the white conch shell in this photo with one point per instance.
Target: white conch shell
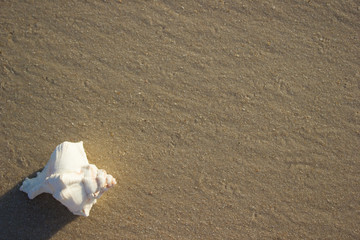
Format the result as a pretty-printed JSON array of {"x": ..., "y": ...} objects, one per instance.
[{"x": 70, "y": 178}]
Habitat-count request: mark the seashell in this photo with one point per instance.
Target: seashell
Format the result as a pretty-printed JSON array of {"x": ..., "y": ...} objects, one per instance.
[{"x": 70, "y": 178}]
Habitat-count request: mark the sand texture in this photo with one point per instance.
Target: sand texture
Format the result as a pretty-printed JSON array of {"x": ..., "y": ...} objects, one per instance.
[{"x": 219, "y": 119}]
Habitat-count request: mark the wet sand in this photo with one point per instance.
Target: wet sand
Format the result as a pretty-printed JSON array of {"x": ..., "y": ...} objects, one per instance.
[{"x": 219, "y": 119}]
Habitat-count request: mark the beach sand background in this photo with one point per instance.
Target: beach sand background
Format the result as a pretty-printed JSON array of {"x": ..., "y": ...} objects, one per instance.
[{"x": 219, "y": 119}]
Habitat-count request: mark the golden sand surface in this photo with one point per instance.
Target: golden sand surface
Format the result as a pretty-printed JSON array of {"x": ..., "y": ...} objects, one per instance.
[{"x": 219, "y": 119}]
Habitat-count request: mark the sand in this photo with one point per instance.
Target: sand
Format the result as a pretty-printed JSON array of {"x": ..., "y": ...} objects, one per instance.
[{"x": 219, "y": 119}]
